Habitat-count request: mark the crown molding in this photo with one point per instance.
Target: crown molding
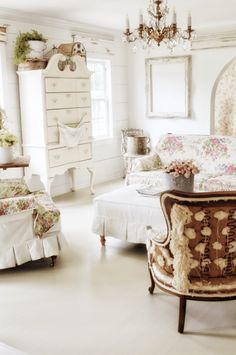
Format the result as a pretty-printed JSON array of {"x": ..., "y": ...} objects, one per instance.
[
  {"x": 215, "y": 38},
  {"x": 80, "y": 29}
]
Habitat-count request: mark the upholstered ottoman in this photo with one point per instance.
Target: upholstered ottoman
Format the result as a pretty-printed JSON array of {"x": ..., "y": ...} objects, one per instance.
[{"x": 125, "y": 214}]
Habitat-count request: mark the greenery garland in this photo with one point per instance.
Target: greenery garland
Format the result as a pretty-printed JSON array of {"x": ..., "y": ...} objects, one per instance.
[{"x": 22, "y": 47}]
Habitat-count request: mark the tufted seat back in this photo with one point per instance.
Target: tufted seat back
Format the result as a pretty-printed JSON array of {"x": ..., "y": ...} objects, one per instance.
[{"x": 198, "y": 254}]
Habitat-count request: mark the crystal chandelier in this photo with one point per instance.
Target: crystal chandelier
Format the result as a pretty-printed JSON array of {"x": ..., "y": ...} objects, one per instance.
[{"x": 157, "y": 30}]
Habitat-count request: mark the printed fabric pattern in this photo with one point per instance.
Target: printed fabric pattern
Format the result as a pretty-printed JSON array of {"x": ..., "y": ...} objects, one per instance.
[
  {"x": 45, "y": 214},
  {"x": 12, "y": 188}
]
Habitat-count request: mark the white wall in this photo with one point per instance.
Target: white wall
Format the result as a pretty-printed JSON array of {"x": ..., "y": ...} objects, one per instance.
[
  {"x": 206, "y": 66},
  {"x": 108, "y": 162}
]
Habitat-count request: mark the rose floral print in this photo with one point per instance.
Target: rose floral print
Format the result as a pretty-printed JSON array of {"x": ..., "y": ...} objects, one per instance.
[
  {"x": 172, "y": 144},
  {"x": 215, "y": 148},
  {"x": 45, "y": 214}
]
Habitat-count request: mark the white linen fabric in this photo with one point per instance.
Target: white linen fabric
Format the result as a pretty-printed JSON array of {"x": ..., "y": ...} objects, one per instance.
[
  {"x": 125, "y": 214},
  {"x": 18, "y": 244},
  {"x": 8, "y": 350},
  {"x": 71, "y": 136}
]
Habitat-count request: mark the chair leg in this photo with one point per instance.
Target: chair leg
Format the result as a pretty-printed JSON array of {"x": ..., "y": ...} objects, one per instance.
[
  {"x": 53, "y": 258},
  {"x": 151, "y": 288},
  {"x": 102, "y": 240},
  {"x": 182, "y": 311}
]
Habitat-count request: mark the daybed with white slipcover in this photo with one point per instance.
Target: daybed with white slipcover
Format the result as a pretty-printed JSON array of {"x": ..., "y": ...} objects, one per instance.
[{"x": 29, "y": 225}]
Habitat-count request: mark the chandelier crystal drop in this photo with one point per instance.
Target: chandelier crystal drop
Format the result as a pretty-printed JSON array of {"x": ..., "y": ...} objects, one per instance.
[{"x": 157, "y": 31}]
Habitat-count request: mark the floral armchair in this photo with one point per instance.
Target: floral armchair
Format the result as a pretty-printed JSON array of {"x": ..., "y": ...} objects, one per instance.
[
  {"x": 215, "y": 156},
  {"x": 29, "y": 225},
  {"x": 196, "y": 258}
]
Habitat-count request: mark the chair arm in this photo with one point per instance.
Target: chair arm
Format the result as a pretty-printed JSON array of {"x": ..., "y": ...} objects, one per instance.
[
  {"x": 158, "y": 238},
  {"x": 150, "y": 162}
]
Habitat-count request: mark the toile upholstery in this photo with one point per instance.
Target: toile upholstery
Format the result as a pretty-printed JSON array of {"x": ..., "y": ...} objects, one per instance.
[
  {"x": 196, "y": 258},
  {"x": 215, "y": 157}
]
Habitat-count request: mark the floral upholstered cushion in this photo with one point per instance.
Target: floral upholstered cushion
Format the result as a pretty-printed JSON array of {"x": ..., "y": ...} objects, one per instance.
[
  {"x": 151, "y": 162},
  {"x": 158, "y": 179},
  {"x": 219, "y": 183},
  {"x": 212, "y": 154},
  {"x": 44, "y": 212},
  {"x": 155, "y": 178},
  {"x": 13, "y": 188}
]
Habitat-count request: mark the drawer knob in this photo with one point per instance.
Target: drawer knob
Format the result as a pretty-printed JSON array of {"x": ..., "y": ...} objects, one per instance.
[
  {"x": 55, "y": 118},
  {"x": 54, "y": 84},
  {"x": 68, "y": 112},
  {"x": 85, "y": 151},
  {"x": 57, "y": 156},
  {"x": 84, "y": 98},
  {"x": 83, "y": 84},
  {"x": 68, "y": 95},
  {"x": 54, "y": 100}
]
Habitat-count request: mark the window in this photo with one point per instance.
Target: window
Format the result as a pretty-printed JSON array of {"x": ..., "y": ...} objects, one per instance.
[
  {"x": 3, "y": 79},
  {"x": 101, "y": 97}
]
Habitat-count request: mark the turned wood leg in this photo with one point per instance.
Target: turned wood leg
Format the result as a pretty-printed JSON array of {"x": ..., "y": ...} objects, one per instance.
[
  {"x": 53, "y": 258},
  {"x": 91, "y": 172},
  {"x": 102, "y": 240},
  {"x": 182, "y": 311},
  {"x": 72, "y": 172},
  {"x": 152, "y": 287}
]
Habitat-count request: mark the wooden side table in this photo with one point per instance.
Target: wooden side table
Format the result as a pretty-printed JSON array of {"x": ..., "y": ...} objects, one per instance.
[{"x": 14, "y": 165}]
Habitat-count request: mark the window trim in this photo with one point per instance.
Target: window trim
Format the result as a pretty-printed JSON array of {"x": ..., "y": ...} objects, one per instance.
[{"x": 107, "y": 98}]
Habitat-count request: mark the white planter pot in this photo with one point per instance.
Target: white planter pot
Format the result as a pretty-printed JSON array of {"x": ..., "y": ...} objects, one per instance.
[
  {"x": 6, "y": 155},
  {"x": 36, "y": 49}
]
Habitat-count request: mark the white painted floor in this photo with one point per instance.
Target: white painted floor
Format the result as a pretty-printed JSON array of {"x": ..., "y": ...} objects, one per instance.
[{"x": 96, "y": 301}]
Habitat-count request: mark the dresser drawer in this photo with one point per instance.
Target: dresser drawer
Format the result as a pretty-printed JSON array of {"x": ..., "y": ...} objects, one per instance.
[
  {"x": 66, "y": 116},
  {"x": 85, "y": 151},
  {"x": 64, "y": 156},
  {"x": 53, "y": 133},
  {"x": 66, "y": 85},
  {"x": 67, "y": 100}
]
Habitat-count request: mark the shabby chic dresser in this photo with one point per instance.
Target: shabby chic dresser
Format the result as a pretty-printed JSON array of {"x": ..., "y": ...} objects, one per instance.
[{"x": 51, "y": 97}]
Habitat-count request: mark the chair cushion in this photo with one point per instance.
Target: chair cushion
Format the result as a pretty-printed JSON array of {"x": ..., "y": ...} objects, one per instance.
[
  {"x": 157, "y": 178},
  {"x": 151, "y": 162},
  {"x": 219, "y": 183},
  {"x": 13, "y": 188}
]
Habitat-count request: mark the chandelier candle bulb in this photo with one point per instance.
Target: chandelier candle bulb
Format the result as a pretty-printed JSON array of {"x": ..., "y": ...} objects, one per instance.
[
  {"x": 127, "y": 22},
  {"x": 189, "y": 20},
  {"x": 140, "y": 17},
  {"x": 174, "y": 17}
]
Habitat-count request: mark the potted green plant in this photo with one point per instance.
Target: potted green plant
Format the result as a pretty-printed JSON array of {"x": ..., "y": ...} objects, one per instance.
[{"x": 28, "y": 46}]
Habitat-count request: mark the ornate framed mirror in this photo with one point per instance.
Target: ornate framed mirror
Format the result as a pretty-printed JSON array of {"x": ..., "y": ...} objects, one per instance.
[{"x": 168, "y": 86}]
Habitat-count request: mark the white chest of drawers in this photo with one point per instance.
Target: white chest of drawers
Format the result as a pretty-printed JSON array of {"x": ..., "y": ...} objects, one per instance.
[{"x": 48, "y": 97}]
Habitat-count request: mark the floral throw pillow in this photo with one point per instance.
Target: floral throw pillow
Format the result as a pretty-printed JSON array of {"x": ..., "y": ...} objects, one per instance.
[
  {"x": 13, "y": 188},
  {"x": 151, "y": 162}
]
